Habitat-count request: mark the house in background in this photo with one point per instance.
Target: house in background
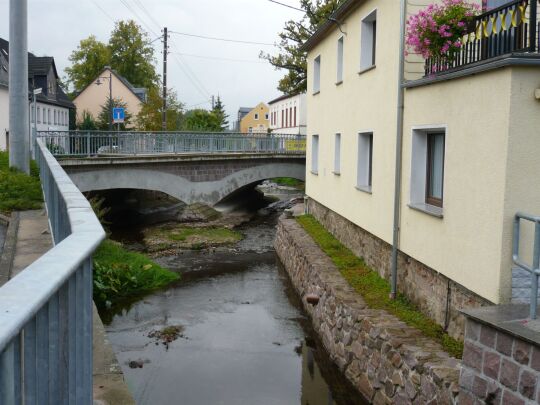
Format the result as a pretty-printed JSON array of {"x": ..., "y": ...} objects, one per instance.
[
  {"x": 288, "y": 114},
  {"x": 95, "y": 95},
  {"x": 256, "y": 120},
  {"x": 470, "y": 151},
  {"x": 242, "y": 112},
  {"x": 52, "y": 105}
]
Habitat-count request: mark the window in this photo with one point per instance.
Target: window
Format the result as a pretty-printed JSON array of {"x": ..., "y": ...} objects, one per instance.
[
  {"x": 250, "y": 130},
  {"x": 368, "y": 41},
  {"x": 315, "y": 154},
  {"x": 339, "y": 78},
  {"x": 435, "y": 169},
  {"x": 337, "y": 153},
  {"x": 39, "y": 115},
  {"x": 266, "y": 116},
  {"x": 317, "y": 74},
  {"x": 286, "y": 117},
  {"x": 282, "y": 120},
  {"x": 294, "y": 116},
  {"x": 256, "y": 116},
  {"x": 49, "y": 116},
  {"x": 32, "y": 117},
  {"x": 55, "y": 117},
  {"x": 365, "y": 161},
  {"x": 290, "y": 116},
  {"x": 427, "y": 169},
  {"x": 491, "y": 4}
]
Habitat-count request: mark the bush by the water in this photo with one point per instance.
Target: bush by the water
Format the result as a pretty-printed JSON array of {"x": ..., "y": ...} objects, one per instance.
[
  {"x": 19, "y": 191},
  {"x": 119, "y": 274}
]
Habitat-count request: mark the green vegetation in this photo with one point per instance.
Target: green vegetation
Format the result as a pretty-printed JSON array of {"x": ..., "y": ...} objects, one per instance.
[
  {"x": 19, "y": 191},
  {"x": 374, "y": 289},
  {"x": 120, "y": 274},
  {"x": 289, "y": 182}
]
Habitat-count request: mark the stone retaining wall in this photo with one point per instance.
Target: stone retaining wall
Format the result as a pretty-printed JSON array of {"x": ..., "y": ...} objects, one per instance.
[
  {"x": 499, "y": 367},
  {"x": 386, "y": 360},
  {"x": 435, "y": 295}
]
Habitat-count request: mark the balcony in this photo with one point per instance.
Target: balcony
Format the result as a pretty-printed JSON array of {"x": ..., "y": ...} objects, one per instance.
[{"x": 511, "y": 30}]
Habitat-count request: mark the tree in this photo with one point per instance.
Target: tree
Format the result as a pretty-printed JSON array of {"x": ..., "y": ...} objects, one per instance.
[
  {"x": 201, "y": 120},
  {"x": 150, "y": 116},
  {"x": 87, "y": 122},
  {"x": 219, "y": 112},
  {"x": 104, "y": 116},
  {"x": 87, "y": 62},
  {"x": 132, "y": 55},
  {"x": 294, "y": 34}
]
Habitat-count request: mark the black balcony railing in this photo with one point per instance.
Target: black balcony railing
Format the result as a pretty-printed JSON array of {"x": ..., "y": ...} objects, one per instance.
[{"x": 511, "y": 28}]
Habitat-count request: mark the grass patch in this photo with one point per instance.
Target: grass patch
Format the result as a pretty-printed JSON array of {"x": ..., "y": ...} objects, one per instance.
[
  {"x": 374, "y": 289},
  {"x": 19, "y": 191},
  {"x": 119, "y": 274},
  {"x": 288, "y": 181},
  {"x": 171, "y": 237}
]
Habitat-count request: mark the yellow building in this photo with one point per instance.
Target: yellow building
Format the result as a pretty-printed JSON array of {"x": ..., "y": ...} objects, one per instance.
[
  {"x": 470, "y": 143},
  {"x": 96, "y": 94},
  {"x": 256, "y": 120}
]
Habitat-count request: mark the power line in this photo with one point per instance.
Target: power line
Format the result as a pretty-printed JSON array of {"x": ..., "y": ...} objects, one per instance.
[
  {"x": 222, "y": 39},
  {"x": 146, "y": 26},
  {"x": 145, "y": 11},
  {"x": 103, "y": 10},
  {"x": 198, "y": 104},
  {"x": 287, "y": 5},
  {"x": 218, "y": 58}
]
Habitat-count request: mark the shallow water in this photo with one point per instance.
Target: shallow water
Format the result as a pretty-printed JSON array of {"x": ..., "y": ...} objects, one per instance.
[{"x": 245, "y": 338}]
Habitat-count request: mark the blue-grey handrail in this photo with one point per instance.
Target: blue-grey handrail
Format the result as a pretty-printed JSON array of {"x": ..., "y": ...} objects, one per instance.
[
  {"x": 534, "y": 270},
  {"x": 46, "y": 310}
]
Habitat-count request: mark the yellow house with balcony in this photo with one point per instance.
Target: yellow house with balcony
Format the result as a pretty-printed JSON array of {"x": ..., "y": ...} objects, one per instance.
[
  {"x": 257, "y": 120},
  {"x": 429, "y": 165}
]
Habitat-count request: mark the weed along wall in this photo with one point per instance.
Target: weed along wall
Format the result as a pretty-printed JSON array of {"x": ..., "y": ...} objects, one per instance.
[{"x": 384, "y": 358}]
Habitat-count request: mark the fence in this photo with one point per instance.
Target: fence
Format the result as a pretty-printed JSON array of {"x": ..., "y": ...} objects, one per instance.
[
  {"x": 80, "y": 143},
  {"x": 46, "y": 310},
  {"x": 510, "y": 28},
  {"x": 534, "y": 270}
]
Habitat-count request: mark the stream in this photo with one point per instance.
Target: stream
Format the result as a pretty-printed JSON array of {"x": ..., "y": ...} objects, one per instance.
[{"x": 245, "y": 338}]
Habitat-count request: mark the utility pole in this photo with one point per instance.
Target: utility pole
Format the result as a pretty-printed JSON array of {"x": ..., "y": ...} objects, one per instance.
[
  {"x": 165, "y": 52},
  {"x": 19, "y": 125},
  {"x": 213, "y": 103}
]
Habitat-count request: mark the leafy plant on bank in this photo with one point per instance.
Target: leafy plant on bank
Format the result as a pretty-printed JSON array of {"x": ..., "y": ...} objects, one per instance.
[
  {"x": 437, "y": 30},
  {"x": 120, "y": 274},
  {"x": 375, "y": 290},
  {"x": 19, "y": 191}
]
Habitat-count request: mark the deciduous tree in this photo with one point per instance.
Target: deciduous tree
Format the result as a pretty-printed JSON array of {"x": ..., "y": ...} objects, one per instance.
[
  {"x": 87, "y": 61},
  {"x": 150, "y": 116},
  {"x": 202, "y": 120}
]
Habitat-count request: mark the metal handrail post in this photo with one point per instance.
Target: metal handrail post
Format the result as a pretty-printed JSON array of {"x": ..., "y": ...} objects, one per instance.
[
  {"x": 533, "y": 26},
  {"x": 535, "y": 268}
]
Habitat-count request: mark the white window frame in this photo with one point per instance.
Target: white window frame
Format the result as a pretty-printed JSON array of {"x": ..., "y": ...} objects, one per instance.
[
  {"x": 337, "y": 153},
  {"x": 315, "y": 154},
  {"x": 364, "y": 162},
  {"x": 317, "y": 74},
  {"x": 368, "y": 41},
  {"x": 419, "y": 152},
  {"x": 339, "y": 66}
]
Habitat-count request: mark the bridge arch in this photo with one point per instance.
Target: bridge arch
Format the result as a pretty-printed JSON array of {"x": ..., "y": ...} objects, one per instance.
[{"x": 180, "y": 186}]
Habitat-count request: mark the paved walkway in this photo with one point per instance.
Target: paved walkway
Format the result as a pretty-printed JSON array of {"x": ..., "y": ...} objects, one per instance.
[{"x": 27, "y": 239}]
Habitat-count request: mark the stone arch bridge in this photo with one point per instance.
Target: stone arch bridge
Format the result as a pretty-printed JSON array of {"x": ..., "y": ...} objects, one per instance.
[{"x": 206, "y": 178}]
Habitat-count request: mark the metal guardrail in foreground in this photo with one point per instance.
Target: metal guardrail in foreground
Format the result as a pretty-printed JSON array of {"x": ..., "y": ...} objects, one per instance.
[
  {"x": 46, "y": 310},
  {"x": 535, "y": 269},
  {"x": 90, "y": 143}
]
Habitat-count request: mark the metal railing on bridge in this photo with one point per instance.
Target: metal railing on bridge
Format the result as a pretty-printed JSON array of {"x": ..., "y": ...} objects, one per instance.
[
  {"x": 91, "y": 143},
  {"x": 46, "y": 310}
]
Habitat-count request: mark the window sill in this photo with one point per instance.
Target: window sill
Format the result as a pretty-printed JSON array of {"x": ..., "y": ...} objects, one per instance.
[
  {"x": 314, "y": 172},
  {"x": 339, "y": 82},
  {"x": 427, "y": 209},
  {"x": 337, "y": 173},
  {"x": 365, "y": 189},
  {"x": 367, "y": 69},
  {"x": 316, "y": 92}
]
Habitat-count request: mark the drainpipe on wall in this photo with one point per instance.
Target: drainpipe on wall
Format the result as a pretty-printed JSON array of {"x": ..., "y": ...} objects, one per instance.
[{"x": 399, "y": 141}]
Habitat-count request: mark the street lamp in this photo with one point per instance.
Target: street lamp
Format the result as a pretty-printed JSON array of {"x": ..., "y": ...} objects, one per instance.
[
  {"x": 35, "y": 92},
  {"x": 98, "y": 83}
]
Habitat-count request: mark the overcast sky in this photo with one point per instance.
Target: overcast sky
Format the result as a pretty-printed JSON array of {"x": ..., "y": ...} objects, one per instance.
[{"x": 55, "y": 28}]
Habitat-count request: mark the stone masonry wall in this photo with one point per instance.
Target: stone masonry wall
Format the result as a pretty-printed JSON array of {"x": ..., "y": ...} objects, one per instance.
[
  {"x": 435, "y": 295},
  {"x": 498, "y": 368},
  {"x": 386, "y": 360}
]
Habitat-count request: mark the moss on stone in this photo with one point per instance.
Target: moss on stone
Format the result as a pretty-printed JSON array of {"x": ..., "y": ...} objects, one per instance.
[{"x": 374, "y": 289}]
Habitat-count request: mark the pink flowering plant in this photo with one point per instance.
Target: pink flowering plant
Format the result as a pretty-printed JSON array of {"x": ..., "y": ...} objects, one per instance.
[{"x": 437, "y": 31}]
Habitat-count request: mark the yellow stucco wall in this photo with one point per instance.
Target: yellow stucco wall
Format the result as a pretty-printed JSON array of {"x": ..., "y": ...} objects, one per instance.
[
  {"x": 258, "y": 125},
  {"x": 492, "y": 124},
  {"x": 94, "y": 97}
]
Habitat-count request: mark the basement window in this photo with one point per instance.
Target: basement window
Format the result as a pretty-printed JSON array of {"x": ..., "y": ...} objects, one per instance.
[{"x": 368, "y": 40}]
